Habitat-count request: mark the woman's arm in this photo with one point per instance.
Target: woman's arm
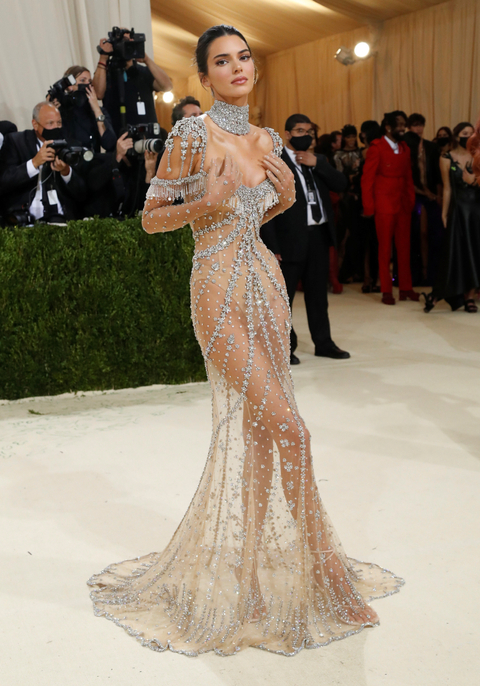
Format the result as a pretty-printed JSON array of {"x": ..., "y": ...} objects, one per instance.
[
  {"x": 223, "y": 180},
  {"x": 447, "y": 189}
]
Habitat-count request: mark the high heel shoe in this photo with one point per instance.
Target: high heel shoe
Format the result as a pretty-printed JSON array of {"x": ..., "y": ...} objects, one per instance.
[{"x": 429, "y": 302}]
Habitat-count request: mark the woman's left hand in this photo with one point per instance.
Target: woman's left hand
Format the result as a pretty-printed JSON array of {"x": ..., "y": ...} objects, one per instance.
[
  {"x": 282, "y": 178},
  {"x": 93, "y": 100},
  {"x": 468, "y": 177}
]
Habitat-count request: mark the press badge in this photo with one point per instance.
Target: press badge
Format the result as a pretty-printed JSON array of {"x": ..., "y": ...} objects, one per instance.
[
  {"x": 52, "y": 197},
  {"x": 311, "y": 199},
  {"x": 141, "y": 108}
]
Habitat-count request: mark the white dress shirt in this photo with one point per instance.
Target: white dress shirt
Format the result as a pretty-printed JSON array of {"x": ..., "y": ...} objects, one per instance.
[
  {"x": 310, "y": 219},
  {"x": 393, "y": 144},
  {"x": 37, "y": 209}
]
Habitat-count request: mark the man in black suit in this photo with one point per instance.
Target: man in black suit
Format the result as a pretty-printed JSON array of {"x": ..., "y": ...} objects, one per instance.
[
  {"x": 34, "y": 183},
  {"x": 301, "y": 237}
]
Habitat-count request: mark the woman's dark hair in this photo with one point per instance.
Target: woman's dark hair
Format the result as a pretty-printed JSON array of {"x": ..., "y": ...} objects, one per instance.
[
  {"x": 207, "y": 38},
  {"x": 333, "y": 136},
  {"x": 76, "y": 70},
  {"x": 473, "y": 147},
  {"x": 371, "y": 130},
  {"x": 324, "y": 146},
  {"x": 348, "y": 130},
  {"x": 461, "y": 126},
  {"x": 415, "y": 119},
  {"x": 294, "y": 119}
]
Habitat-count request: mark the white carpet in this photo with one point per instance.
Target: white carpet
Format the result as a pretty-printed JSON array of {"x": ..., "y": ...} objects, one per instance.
[{"x": 89, "y": 480}]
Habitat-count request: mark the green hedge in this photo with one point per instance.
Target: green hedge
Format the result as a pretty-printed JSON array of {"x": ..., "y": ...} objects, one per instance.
[{"x": 95, "y": 305}]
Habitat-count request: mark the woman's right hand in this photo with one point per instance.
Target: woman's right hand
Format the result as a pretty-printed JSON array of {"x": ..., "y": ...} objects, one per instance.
[{"x": 221, "y": 185}]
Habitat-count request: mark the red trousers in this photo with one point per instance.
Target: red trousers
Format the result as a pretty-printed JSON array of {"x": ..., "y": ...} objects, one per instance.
[{"x": 389, "y": 226}]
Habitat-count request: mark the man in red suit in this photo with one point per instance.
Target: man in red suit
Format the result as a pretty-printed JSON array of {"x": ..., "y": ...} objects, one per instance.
[{"x": 388, "y": 193}]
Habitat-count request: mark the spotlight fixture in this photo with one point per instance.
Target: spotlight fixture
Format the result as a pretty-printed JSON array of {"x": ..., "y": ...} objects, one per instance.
[
  {"x": 168, "y": 96},
  {"x": 362, "y": 50},
  {"x": 345, "y": 56}
]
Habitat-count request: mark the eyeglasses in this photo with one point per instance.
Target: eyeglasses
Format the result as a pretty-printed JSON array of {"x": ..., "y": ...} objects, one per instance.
[{"x": 304, "y": 132}]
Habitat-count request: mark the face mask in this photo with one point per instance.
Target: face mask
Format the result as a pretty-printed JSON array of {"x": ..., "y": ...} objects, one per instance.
[
  {"x": 301, "y": 143},
  {"x": 53, "y": 134},
  {"x": 442, "y": 142},
  {"x": 464, "y": 140}
]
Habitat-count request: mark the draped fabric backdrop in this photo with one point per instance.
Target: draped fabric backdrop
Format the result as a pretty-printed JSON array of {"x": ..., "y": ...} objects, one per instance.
[
  {"x": 427, "y": 62},
  {"x": 41, "y": 40}
]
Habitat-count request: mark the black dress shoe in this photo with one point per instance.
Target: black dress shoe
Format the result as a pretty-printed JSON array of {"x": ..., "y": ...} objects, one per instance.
[
  {"x": 294, "y": 359},
  {"x": 332, "y": 351}
]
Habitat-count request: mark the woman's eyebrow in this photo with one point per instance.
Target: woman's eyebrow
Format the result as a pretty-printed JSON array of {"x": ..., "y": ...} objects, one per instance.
[{"x": 226, "y": 54}]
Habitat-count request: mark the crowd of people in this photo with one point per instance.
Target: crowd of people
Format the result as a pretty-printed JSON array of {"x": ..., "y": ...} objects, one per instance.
[
  {"x": 82, "y": 159},
  {"x": 423, "y": 196}
]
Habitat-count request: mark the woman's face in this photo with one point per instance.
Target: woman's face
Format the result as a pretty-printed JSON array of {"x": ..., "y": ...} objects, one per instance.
[
  {"x": 84, "y": 77},
  {"x": 442, "y": 133},
  {"x": 351, "y": 141},
  {"x": 230, "y": 69},
  {"x": 466, "y": 132}
]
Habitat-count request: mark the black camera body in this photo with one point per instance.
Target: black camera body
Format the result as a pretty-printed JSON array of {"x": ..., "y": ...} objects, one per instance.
[
  {"x": 70, "y": 154},
  {"x": 124, "y": 50},
  {"x": 57, "y": 91},
  {"x": 146, "y": 137}
]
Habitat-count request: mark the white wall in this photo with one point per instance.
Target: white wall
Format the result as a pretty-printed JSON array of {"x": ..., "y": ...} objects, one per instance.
[{"x": 40, "y": 40}]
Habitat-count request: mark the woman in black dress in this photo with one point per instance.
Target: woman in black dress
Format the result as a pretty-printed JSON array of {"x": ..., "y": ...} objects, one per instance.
[{"x": 459, "y": 269}]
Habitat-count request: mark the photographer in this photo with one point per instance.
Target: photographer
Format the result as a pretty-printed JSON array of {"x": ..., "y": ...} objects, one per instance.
[
  {"x": 35, "y": 183},
  {"x": 83, "y": 118},
  {"x": 117, "y": 183},
  {"x": 126, "y": 75}
]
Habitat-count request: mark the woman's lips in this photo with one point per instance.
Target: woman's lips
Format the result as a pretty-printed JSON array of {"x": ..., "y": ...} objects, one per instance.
[{"x": 240, "y": 80}]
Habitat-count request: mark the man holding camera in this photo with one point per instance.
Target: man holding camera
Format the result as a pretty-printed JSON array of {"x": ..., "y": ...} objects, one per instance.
[
  {"x": 126, "y": 77},
  {"x": 35, "y": 183}
]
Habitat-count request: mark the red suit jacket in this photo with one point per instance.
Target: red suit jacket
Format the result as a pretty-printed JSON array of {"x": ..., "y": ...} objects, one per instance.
[{"x": 387, "y": 183}]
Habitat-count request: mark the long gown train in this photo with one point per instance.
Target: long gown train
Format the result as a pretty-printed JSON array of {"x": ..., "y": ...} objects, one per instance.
[{"x": 255, "y": 560}]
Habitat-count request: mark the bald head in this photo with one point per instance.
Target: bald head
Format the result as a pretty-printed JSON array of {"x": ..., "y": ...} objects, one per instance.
[{"x": 45, "y": 116}]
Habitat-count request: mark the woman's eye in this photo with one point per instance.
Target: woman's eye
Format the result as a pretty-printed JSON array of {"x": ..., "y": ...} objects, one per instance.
[
  {"x": 245, "y": 57},
  {"x": 220, "y": 62}
]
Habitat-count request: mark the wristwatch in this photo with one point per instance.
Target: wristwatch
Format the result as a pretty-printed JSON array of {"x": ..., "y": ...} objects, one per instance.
[{"x": 101, "y": 117}]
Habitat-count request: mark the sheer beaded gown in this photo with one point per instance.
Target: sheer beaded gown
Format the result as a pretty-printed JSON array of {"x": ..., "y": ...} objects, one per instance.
[{"x": 255, "y": 560}]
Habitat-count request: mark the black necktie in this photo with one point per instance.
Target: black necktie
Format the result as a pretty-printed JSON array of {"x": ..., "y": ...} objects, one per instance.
[{"x": 312, "y": 191}]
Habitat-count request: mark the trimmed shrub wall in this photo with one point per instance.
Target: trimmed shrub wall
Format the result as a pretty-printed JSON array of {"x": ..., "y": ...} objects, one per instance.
[{"x": 95, "y": 305}]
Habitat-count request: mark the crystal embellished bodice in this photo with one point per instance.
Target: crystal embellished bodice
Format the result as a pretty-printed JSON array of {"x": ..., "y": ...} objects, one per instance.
[{"x": 255, "y": 561}]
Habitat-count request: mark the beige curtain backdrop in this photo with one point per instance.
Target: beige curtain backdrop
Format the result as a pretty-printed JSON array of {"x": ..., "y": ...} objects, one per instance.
[
  {"x": 427, "y": 62},
  {"x": 40, "y": 40}
]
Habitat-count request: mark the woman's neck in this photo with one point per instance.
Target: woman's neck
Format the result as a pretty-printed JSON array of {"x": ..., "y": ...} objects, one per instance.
[{"x": 241, "y": 101}]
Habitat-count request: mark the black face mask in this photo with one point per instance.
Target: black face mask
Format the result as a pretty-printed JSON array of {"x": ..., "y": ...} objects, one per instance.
[
  {"x": 464, "y": 140},
  {"x": 301, "y": 143},
  {"x": 53, "y": 134},
  {"x": 442, "y": 142}
]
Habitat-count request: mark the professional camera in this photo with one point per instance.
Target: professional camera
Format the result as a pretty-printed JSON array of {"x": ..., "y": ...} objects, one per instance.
[
  {"x": 70, "y": 154},
  {"x": 57, "y": 91},
  {"x": 146, "y": 137},
  {"x": 124, "y": 49}
]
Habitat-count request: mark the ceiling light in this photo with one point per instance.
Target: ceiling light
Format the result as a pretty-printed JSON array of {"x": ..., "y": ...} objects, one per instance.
[
  {"x": 344, "y": 56},
  {"x": 168, "y": 96},
  {"x": 362, "y": 49}
]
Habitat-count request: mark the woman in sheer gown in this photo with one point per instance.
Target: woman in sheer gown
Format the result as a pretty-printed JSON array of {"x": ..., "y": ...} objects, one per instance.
[{"x": 255, "y": 560}]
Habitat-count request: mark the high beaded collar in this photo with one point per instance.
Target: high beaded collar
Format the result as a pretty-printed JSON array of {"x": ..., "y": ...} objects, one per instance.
[{"x": 231, "y": 118}]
